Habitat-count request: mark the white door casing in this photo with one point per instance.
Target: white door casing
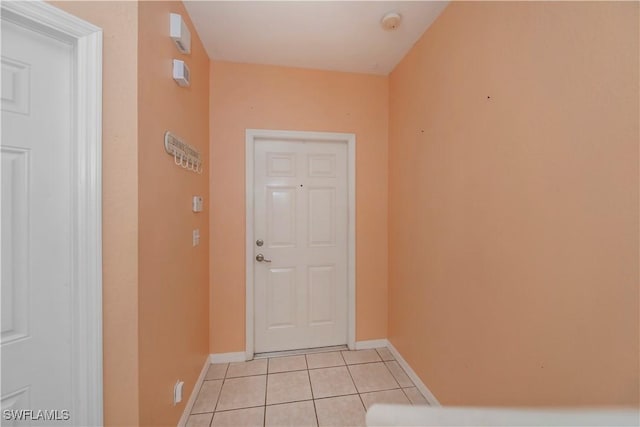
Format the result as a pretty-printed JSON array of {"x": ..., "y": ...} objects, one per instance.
[
  {"x": 301, "y": 203},
  {"x": 51, "y": 212}
]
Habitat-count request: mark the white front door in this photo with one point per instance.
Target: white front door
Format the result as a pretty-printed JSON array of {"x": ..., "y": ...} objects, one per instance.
[
  {"x": 300, "y": 226},
  {"x": 36, "y": 225}
]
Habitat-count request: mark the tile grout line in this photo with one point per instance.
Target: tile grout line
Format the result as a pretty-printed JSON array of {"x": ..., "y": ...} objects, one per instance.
[
  {"x": 214, "y": 407},
  {"x": 242, "y": 409},
  {"x": 266, "y": 390},
  {"x": 236, "y": 409},
  {"x": 384, "y": 362},
  {"x": 354, "y": 384},
  {"x": 387, "y": 366},
  {"x": 224, "y": 377},
  {"x": 405, "y": 395},
  {"x": 266, "y": 374},
  {"x": 313, "y": 400},
  {"x": 403, "y": 388},
  {"x": 338, "y": 395},
  {"x": 393, "y": 376},
  {"x": 197, "y": 397},
  {"x": 288, "y": 402}
]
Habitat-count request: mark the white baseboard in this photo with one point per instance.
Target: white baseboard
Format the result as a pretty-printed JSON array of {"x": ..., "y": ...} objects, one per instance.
[
  {"x": 431, "y": 399},
  {"x": 366, "y": 345},
  {"x": 238, "y": 356},
  {"x": 194, "y": 394}
]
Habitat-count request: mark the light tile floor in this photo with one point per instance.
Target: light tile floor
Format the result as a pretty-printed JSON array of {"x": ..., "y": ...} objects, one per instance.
[{"x": 317, "y": 389}]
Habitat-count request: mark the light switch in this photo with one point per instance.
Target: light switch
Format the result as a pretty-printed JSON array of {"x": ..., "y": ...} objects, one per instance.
[
  {"x": 197, "y": 203},
  {"x": 196, "y": 237}
]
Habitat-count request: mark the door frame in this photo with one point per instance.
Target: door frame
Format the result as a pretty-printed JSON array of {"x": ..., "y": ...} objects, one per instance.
[
  {"x": 253, "y": 136},
  {"x": 86, "y": 197}
]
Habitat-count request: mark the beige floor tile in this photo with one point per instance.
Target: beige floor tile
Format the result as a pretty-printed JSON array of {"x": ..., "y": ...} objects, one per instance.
[
  {"x": 199, "y": 420},
  {"x": 399, "y": 374},
  {"x": 361, "y": 356},
  {"x": 288, "y": 387},
  {"x": 288, "y": 363},
  {"x": 250, "y": 417},
  {"x": 372, "y": 377},
  {"x": 388, "y": 396},
  {"x": 340, "y": 411},
  {"x": 415, "y": 396},
  {"x": 325, "y": 360},
  {"x": 384, "y": 353},
  {"x": 216, "y": 371},
  {"x": 298, "y": 414},
  {"x": 246, "y": 369},
  {"x": 329, "y": 382},
  {"x": 242, "y": 392},
  {"x": 207, "y": 397}
]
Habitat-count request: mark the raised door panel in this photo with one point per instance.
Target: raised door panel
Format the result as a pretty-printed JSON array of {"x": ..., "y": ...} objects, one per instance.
[
  {"x": 16, "y": 401},
  {"x": 281, "y": 217},
  {"x": 16, "y": 84},
  {"x": 15, "y": 249},
  {"x": 281, "y": 298},
  {"x": 322, "y": 165},
  {"x": 281, "y": 165},
  {"x": 322, "y": 295},
  {"x": 322, "y": 217}
]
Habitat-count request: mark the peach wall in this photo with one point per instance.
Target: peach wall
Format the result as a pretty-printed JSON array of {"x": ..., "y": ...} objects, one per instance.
[
  {"x": 119, "y": 22},
  {"x": 267, "y": 97},
  {"x": 174, "y": 276},
  {"x": 513, "y": 233}
]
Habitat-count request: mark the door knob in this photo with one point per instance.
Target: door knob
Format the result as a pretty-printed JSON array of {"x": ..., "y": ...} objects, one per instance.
[{"x": 261, "y": 258}]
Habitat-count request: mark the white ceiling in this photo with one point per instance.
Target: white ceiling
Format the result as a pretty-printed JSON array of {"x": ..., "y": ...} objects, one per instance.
[{"x": 327, "y": 35}]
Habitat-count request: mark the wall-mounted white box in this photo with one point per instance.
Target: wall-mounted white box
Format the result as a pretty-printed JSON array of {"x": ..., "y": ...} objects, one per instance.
[
  {"x": 179, "y": 33},
  {"x": 181, "y": 73}
]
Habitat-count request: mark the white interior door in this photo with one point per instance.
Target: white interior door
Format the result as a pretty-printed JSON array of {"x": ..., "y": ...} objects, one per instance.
[
  {"x": 36, "y": 225},
  {"x": 301, "y": 217}
]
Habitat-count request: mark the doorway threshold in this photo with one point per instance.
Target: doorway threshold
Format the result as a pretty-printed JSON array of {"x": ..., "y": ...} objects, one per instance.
[{"x": 300, "y": 351}]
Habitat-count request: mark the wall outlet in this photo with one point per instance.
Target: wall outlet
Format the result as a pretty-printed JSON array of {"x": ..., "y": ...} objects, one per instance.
[
  {"x": 196, "y": 237},
  {"x": 177, "y": 392}
]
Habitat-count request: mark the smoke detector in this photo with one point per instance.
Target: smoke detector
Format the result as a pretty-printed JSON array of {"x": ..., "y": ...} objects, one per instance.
[{"x": 391, "y": 20}]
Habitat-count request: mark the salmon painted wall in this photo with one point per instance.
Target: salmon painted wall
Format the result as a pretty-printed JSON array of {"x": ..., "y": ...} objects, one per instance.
[
  {"x": 268, "y": 97},
  {"x": 513, "y": 233},
  {"x": 174, "y": 276},
  {"x": 119, "y": 22}
]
